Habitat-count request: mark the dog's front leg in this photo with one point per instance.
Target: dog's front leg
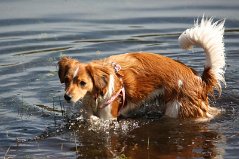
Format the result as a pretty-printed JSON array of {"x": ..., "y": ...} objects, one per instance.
[{"x": 88, "y": 106}]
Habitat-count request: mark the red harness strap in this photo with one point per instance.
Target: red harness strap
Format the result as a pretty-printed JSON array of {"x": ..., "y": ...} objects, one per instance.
[
  {"x": 117, "y": 68},
  {"x": 109, "y": 101}
]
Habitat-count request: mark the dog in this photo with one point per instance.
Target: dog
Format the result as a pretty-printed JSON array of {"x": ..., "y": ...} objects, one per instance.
[{"x": 119, "y": 84}]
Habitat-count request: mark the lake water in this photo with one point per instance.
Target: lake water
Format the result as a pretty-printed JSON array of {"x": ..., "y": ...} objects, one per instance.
[{"x": 35, "y": 34}]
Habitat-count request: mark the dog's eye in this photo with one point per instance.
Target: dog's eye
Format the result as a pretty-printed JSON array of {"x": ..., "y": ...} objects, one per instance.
[{"x": 82, "y": 83}]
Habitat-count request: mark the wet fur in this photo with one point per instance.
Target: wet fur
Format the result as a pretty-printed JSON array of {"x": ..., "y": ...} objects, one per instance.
[
  {"x": 145, "y": 76},
  {"x": 142, "y": 74}
]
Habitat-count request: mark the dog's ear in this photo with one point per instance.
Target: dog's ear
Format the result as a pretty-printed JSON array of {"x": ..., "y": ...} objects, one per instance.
[
  {"x": 64, "y": 65},
  {"x": 100, "y": 76}
]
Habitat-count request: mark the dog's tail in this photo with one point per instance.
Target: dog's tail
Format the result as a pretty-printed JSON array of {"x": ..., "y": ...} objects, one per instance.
[{"x": 208, "y": 35}]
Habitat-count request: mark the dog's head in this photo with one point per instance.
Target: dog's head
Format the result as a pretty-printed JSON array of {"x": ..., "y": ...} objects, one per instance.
[{"x": 81, "y": 79}]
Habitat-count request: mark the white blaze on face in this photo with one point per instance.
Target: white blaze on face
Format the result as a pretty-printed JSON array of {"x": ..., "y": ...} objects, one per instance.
[{"x": 76, "y": 72}]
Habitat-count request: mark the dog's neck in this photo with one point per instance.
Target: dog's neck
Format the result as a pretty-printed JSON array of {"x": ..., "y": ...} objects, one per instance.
[
  {"x": 120, "y": 92},
  {"x": 109, "y": 102}
]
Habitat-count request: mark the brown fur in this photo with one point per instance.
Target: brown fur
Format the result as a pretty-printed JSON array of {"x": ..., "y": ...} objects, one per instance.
[{"x": 141, "y": 74}]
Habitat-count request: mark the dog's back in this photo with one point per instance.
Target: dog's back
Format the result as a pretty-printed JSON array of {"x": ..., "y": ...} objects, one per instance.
[
  {"x": 184, "y": 92},
  {"x": 119, "y": 83}
]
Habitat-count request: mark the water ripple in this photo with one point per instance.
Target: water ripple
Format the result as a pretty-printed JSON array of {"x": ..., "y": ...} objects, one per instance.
[{"x": 34, "y": 35}]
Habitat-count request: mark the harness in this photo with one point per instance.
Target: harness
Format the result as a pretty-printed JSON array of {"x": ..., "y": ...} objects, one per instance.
[{"x": 121, "y": 91}]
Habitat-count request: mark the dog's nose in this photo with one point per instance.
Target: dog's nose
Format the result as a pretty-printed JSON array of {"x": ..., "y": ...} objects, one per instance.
[{"x": 67, "y": 97}]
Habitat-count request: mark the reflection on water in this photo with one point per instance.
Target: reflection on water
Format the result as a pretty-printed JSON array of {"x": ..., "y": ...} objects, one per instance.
[{"x": 34, "y": 35}]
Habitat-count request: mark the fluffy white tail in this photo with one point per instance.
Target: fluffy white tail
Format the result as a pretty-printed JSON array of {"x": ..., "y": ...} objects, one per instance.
[{"x": 208, "y": 35}]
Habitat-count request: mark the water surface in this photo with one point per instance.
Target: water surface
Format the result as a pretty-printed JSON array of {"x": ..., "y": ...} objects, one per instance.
[{"x": 35, "y": 34}]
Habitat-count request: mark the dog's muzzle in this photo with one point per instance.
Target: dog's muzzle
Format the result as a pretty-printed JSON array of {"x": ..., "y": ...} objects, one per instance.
[{"x": 67, "y": 98}]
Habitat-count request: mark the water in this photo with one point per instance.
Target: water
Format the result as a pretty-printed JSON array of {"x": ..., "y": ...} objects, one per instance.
[{"x": 35, "y": 34}]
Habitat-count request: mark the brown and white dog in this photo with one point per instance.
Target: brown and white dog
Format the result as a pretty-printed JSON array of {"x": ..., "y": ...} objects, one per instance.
[{"x": 118, "y": 84}]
